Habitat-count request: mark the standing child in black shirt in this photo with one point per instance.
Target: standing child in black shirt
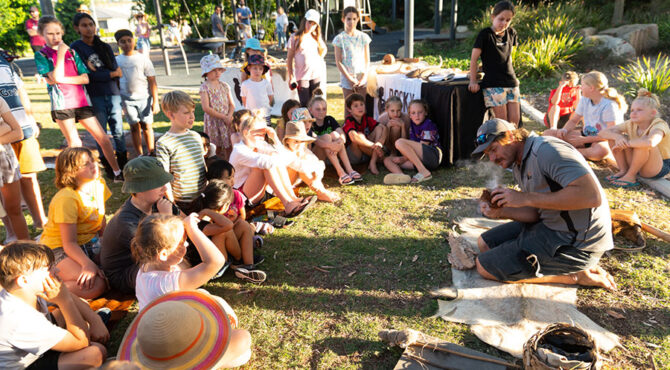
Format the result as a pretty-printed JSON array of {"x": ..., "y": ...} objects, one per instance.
[{"x": 494, "y": 44}]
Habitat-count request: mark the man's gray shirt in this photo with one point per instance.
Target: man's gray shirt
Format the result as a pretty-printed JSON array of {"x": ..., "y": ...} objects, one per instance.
[{"x": 548, "y": 160}]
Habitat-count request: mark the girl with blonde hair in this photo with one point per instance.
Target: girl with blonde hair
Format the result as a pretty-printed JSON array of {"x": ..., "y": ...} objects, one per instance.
[
  {"x": 641, "y": 145},
  {"x": 600, "y": 107}
]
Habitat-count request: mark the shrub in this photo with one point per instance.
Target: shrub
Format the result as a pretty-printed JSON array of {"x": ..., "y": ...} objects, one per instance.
[
  {"x": 13, "y": 35},
  {"x": 545, "y": 56},
  {"x": 653, "y": 76}
]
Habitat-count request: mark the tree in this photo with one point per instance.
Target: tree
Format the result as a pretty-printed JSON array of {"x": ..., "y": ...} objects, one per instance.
[
  {"x": 13, "y": 35},
  {"x": 65, "y": 11}
]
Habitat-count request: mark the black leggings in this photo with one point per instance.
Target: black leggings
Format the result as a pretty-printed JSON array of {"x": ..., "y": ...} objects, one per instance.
[{"x": 305, "y": 90}]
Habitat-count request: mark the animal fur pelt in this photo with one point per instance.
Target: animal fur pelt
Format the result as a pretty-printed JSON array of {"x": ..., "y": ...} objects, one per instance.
[
  {"x": 507, "y": 315},
  {"x": 629, "y": 225}
]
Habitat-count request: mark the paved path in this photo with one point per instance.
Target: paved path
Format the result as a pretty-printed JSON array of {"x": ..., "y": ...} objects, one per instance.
[{"x": 381, "y": 45}]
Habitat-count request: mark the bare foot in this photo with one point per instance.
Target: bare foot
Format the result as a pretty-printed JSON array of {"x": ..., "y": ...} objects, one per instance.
[
  {"x": 596, "y": 276},
  {"x": 327, "y": 196},
  {"x": 373, "y": 168}
]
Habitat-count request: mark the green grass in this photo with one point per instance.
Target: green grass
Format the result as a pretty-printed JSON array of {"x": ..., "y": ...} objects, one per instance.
[{"x": 304, "y": 318}]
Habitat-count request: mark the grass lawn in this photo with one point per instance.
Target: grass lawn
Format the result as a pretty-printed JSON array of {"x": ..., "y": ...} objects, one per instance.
[{"x": 383, "y": 248}]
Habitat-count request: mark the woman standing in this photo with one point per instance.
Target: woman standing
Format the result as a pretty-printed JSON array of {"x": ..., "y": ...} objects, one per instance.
[{"x": 304, "y": 61}]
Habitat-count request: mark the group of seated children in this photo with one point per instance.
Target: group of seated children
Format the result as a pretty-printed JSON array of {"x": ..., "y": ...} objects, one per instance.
[{"x": 638, "y": 147}]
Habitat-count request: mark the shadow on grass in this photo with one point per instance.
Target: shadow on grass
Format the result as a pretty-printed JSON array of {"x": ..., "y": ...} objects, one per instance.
[{"x": 373, "y": 354}]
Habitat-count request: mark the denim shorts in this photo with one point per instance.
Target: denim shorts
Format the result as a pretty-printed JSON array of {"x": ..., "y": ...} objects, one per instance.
[
  {"x": 497, "y": 96},
  {"x": 522, "y": 251},
  {"x": 664, "y": 170},
  {"x": 137, "y": 111},
  {"x": 91, "y": 249}
]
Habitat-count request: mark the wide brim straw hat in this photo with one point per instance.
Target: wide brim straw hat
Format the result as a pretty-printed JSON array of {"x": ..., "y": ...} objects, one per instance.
[
  {"x": 209, "y": 63},
  {"x": 296, "y": 130},
  {"x": 180, "y": 330},
  {"x": 143, "y": 174}
]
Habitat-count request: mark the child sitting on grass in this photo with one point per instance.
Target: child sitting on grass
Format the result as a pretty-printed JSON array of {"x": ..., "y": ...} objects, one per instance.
[
  {"x": 76, "y": 222},
  {"x": 563, "y": 101},
  {"x": 396, "y": 121},
  {"x": 33, "y": 337},
  {"x": 305, "y": 165},
  {"x": 223, "y": 170},
  {"x": 259, "y": 164},
  {"x": 159, "y": 247},
  {"x": 641, "y": 145},
  {"x": 366, "y": 137},
  {"x": 286, "y": 111},
  {"x": 238, "y": 117},
  {"x": 330, "y": 142},
  {"x": 422, "y": 151},
  {"x": 229, "y": 233}
]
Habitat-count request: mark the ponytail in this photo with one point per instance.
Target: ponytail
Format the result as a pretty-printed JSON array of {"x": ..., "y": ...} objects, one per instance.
[
  {"x": 216, "y": 195},
  {"x": 611, "y": 94},
  {"x": 598, "y": 80}
]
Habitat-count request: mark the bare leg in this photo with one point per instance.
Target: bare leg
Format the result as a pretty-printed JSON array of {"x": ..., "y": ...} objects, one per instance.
[
  {"x": 69, "y": 271},
  {"x": 220, "y": 241},
  {"x": 598, "y": 151},
  {"x": 621, "y": 158},
  {"x": 514, "y": 113},
  {"x": 646, "y": 162},
  {"x": 233, "y": 245},
  {"x": 413, "y": 151},
  {"x": 30, "y": 189},
  {"x": 245, "y": 235},
  {"x": 394, "y": 134},
  {"x": 148, "y": 131},
  {"x": 258, "y": 179},
  {"x": 136, "y": 135},
  {"x": 552, "y": 116},
  {"x": 500, "y": 112},
  {"x": 11, "y": 194},
  {"x": 238, "y": 352},
  {"x": 92, "y": 125},
  {"x": 392, "y": 163},
  {"x": 69, "y": 129},
  {"x": 86, "y": 358}
]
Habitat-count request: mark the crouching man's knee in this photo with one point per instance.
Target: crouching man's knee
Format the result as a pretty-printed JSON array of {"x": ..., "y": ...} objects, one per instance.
[{"x": 482, "y": 271}]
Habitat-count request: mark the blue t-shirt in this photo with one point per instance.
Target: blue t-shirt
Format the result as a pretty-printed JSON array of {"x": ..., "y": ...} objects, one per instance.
[
  {"x": 244, "y": 12},
  {"x": 100, "y": 82}
]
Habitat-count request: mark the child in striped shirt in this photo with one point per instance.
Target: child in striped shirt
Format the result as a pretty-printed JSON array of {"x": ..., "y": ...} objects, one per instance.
[{"x": 180, "y": 149}]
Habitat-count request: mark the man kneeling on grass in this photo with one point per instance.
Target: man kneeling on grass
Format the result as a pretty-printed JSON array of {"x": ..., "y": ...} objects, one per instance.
[{"x": 561, "y": 223}]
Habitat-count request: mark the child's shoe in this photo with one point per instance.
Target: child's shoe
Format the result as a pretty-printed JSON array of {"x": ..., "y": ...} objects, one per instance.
[
  {"x": 222, "y": 271},
  {"x": 253, "y": 276}
]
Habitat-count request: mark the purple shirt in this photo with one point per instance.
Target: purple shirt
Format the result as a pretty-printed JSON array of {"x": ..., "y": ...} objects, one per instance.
[{"x": 426, "y": 132}]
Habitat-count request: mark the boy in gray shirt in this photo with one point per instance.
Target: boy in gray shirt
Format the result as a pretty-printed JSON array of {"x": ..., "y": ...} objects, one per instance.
[{"x": 137, "y": 83}]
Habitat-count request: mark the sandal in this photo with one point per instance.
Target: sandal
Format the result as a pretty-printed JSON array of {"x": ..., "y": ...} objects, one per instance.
[
  {"x": 420, "y": 178},
  {"x": 624, "y": 184},
  {"x": 356, "y": 176},
  {"x": 297, "y": 211},
  {"x": 345, "y": 180},
  {"x": 611, "y": 178}
]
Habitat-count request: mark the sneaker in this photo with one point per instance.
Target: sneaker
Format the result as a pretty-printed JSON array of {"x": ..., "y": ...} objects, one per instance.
[
  {"x": 258, "y": 259},
  {"x": 105, "y": 314},
  {"x": 252, "y": 276},
  {"x": 118, "y": 178},
  {"x": 222, "y": 271}
]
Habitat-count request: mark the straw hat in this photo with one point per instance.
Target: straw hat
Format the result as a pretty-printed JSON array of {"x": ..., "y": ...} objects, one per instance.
[
  {"x": 83, "y": 9},
  {"x": 180, "y": 330},
  {"x": 296, "y": 130}
]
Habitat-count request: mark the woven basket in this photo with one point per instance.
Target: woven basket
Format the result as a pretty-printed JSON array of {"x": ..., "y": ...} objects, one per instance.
[{"x": 531, "y": 360}]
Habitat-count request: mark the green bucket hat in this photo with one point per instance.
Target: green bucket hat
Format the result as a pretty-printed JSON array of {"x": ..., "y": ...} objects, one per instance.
[{"x": 143, "y": 174}]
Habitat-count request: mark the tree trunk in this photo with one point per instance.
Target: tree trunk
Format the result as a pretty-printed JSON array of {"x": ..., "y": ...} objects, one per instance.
[{"x": 617, "y": 17}]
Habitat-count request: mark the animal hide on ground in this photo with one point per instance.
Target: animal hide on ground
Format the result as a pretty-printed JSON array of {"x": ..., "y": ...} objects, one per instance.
[{"x": 507, "y": 315}]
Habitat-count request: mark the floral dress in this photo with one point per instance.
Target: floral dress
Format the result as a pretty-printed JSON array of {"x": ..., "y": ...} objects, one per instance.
[{"x": 218, "y": 131}]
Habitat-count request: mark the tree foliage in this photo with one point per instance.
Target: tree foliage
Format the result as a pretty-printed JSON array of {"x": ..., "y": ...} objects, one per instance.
[
  {"x": 65, "y": 11},
  {"x": 13, "y": 35}
]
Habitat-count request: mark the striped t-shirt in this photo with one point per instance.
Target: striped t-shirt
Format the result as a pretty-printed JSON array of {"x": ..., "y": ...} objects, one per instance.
[{"x": 182, "y": 156}]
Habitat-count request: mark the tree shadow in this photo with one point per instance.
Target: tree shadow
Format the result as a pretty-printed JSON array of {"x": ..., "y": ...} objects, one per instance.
[{"x": 372, "y": 354}]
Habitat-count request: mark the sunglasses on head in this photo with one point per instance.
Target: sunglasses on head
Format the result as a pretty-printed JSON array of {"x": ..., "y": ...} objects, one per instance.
[{"x": 482, "y": 139}]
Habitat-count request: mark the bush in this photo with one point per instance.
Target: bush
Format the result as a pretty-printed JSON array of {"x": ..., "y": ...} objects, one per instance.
[
  {"x": 653, "y": 76},
  {"x": 13, "y": 35},
  {"x": 545, "y": 56},
  {"x": 452, "y": 57}
]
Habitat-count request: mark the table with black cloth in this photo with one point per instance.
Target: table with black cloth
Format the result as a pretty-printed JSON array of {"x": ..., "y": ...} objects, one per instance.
[{"x": 458, "y": 113}]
